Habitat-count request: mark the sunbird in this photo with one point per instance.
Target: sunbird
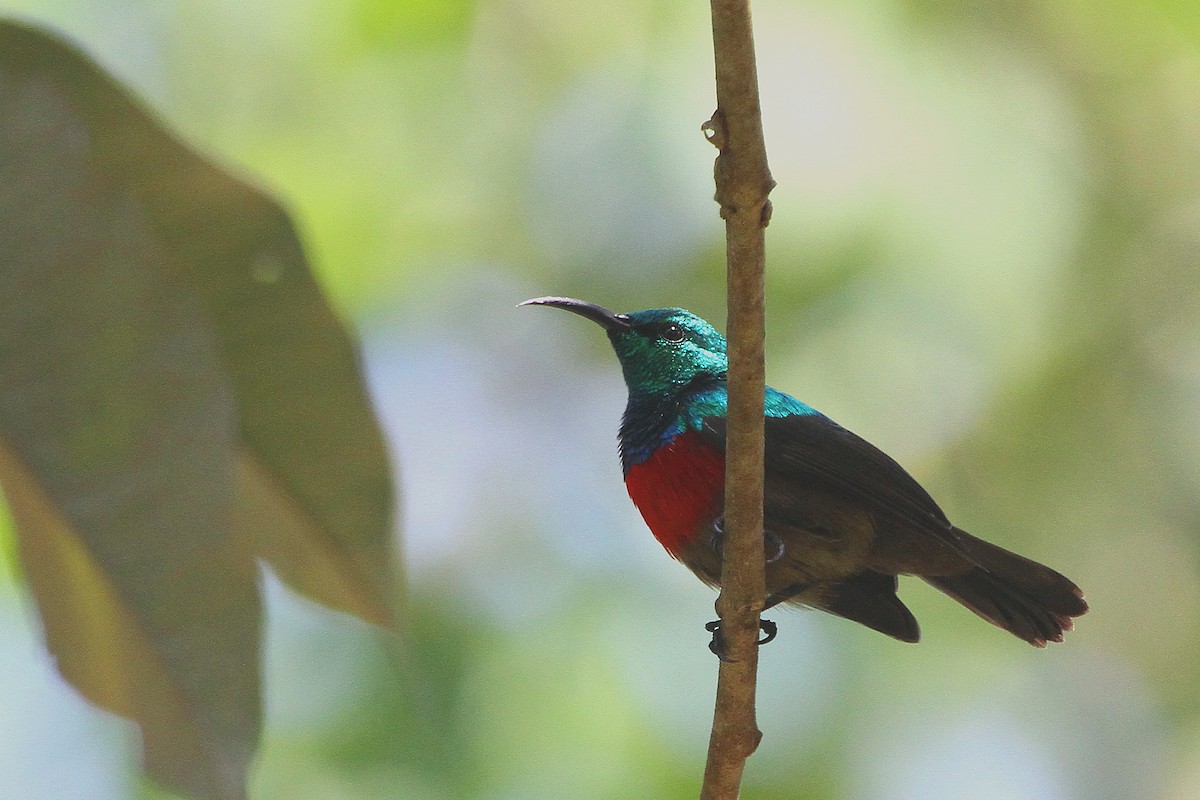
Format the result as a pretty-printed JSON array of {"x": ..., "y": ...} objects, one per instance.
[{"x": 841, "y": 518}]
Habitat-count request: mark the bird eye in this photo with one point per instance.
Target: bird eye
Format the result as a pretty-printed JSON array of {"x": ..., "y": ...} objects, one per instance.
[{"x": 672, "y": 333}]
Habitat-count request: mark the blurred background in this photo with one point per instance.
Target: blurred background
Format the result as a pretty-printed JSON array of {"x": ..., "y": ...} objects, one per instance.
[{"x": 984, "y": 258}]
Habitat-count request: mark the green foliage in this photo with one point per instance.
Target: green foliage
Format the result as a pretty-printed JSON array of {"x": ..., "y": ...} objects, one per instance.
[{"x": 178, "y": 399}]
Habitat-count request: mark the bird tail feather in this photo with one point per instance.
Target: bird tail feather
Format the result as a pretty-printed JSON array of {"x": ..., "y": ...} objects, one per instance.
[{"x": 1025, "y": 598}]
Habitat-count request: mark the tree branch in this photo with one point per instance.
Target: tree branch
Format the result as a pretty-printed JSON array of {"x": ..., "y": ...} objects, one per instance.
[{"x": 743, "y": 181}]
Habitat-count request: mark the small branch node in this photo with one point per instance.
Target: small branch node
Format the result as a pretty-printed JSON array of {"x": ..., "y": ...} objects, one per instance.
[
  {"x": 715, "y": 131},
  {"x": 765, "y": 216}
]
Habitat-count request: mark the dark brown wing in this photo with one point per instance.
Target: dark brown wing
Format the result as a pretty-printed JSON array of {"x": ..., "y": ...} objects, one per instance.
[
  {"x": 813, "y": 453},
  {"x": 809, "y": 457}
]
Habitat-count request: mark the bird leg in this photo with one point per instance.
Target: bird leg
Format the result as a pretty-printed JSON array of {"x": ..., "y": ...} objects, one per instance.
[
  {"x": 773, "y": 550},
  {"x": 717, "y": 645},
  {"x": 773, "y": 547},
  {"x": 769, "y": 628}
]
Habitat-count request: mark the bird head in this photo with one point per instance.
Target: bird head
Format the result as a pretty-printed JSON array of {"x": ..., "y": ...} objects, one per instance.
[{"x": 661, "y": 350}]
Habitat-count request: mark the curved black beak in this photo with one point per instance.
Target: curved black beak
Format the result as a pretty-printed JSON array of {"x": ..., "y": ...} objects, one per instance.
[{"x": 601, "y": 316}]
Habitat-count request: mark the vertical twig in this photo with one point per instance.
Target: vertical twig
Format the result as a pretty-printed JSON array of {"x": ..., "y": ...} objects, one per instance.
[{"x": 742, "y": 184}]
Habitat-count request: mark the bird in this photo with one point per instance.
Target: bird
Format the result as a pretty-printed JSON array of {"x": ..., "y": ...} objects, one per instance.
[{"x": 841, "y": 519}]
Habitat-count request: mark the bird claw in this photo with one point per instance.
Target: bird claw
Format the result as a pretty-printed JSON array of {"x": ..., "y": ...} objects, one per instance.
[{"x": 717, "y": 645}]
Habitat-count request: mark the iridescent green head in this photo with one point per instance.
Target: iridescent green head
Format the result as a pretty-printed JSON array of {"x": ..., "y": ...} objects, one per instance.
[{"x": 661, "y": 350}]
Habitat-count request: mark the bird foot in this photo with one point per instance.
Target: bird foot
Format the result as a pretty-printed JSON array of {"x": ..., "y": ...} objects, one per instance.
[{"x": 717, "y": 645}]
